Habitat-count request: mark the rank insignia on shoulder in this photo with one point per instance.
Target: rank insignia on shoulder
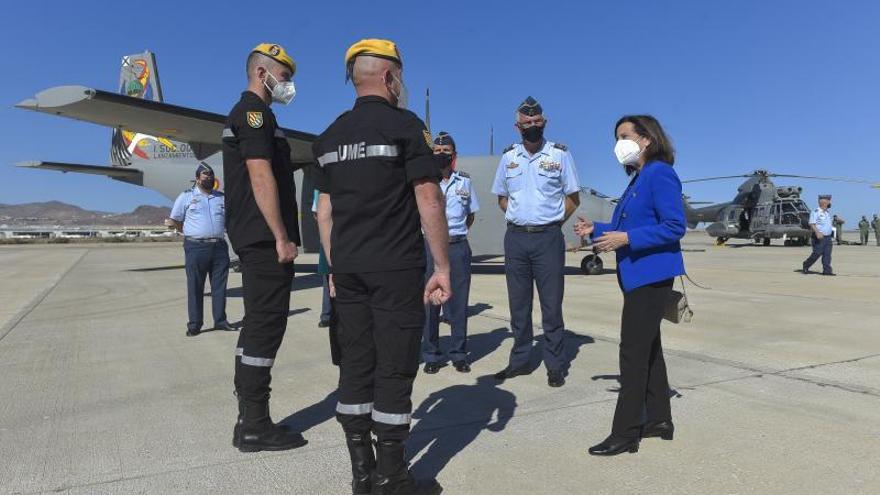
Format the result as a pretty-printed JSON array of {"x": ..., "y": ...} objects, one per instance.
[
  {"x": 508, "y": 148},
  {"x": 560, "y": 146},
  {"x": 428, "y": 138},
  {"x": 462, "y": 173},
  {"x": 255, "y": 119}
]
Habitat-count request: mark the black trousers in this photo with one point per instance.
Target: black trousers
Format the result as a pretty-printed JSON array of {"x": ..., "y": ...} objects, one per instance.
[
  {"x": 643, "y": 382},
  {"x": 380, "y": 329},
  {"x": 266, "y": 286}
]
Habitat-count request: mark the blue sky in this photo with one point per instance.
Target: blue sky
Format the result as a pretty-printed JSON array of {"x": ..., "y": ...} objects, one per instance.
[{"x": 790, "y": 86}]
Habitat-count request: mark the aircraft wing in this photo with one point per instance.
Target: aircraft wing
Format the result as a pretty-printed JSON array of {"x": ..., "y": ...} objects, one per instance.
[
  {"x": 148, "y": 117},
  {"x": 131, "y": 175}
]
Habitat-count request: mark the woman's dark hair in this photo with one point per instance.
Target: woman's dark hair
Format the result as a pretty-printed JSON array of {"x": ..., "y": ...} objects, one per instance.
[{"x": 647, "y": 126}]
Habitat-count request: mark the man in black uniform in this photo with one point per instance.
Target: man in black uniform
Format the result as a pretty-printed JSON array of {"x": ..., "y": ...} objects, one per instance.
[
  {"x": 261, "y": 219},
  {"x": 378, "y": 178}
]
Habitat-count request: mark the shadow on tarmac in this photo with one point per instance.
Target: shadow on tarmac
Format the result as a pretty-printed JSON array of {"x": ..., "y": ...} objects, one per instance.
[
  {"x": 451, "y": 418},
  {"x": 313, "y": 415}
]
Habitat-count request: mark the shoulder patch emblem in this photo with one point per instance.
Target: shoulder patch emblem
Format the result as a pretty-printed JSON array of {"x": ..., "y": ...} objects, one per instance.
[
  {"x": 428, "y": 138},
  {"x": 560, "y": 146},
  {"x": 255, "y": 119}
]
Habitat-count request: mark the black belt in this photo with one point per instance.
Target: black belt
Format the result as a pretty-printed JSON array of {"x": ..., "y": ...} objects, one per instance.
[
  {"x": 203, "y": 239},
  {"x": 531, "y": 229},
  {"x": 457, "y": 238}
]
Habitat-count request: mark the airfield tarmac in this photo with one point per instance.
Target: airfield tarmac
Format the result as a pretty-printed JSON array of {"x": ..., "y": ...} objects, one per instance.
[{"x": 778, "y": 379}]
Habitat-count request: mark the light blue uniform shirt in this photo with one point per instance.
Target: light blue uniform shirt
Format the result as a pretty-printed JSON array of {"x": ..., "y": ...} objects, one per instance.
[
  {"x": 822, "y": 220},
  {"x": 536, "y": 186},
  {"x": 203, "y": 215},
  {"x": 461, "y": 201}
]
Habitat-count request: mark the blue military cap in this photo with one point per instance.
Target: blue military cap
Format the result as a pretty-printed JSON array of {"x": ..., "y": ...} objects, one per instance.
[
  {"x": 444, "y": 138},
  {"x": 204, "y": 167},
  {"x": 825, "y": 196},
  {"x": 530, "y": 107}
]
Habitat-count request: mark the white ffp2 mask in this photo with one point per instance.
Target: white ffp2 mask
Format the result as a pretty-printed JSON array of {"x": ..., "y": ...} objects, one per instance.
[
  {"x": 282, "y": 92},
  {"x": 627, "y": 152}
]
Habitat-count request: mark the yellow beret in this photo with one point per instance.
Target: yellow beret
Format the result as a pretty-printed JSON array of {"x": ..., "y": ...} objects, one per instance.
[
  {"x": 374, "y": 47},
  {"x": 276, "y": 53}
]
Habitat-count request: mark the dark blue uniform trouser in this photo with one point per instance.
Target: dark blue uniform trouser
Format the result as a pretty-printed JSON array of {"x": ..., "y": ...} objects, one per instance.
[
  {"x": 821, "y": 247},
  {"x": 203, "y": 259},
  {"x": 456, "y": 307},
  {"x": 535, "y": 258}
]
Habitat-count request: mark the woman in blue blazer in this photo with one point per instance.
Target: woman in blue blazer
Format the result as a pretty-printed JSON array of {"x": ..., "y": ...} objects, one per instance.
[{"x": 644, "y": 231}]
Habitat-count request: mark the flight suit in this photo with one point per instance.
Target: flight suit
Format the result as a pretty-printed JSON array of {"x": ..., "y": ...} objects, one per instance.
[
  {"x": 876, "y": 224},
  {"x": 864, "y": 228}
]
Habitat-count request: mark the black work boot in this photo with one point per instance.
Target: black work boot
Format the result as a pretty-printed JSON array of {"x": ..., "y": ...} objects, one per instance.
[
  {"x": 392, "y": 476},
  {"x": 254, "y": 431},
  {"x": 363, "y": 461}
]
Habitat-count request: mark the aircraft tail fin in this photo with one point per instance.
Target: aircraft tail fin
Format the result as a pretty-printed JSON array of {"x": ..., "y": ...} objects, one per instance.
[{"x": 138, "y": 78}]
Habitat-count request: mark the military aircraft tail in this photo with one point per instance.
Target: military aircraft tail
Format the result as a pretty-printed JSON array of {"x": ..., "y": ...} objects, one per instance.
[{"x": 139, "y": 78}]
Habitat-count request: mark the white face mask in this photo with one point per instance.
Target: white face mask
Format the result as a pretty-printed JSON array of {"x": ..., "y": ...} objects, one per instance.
[
  {"x": 282, "y": 92},
  {"x": 403, "y": 95},
  {"x": 627, "y": 152}
]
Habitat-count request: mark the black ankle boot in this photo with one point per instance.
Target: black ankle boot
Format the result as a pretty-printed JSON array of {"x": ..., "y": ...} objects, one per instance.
[
  {"x": 254, "y": 430},
  {"x": 615, "y": 445},
  {"x": 363, "y": 462},
  {"x": 662, "y": 429},
  {"x": 392, "y": 476}
]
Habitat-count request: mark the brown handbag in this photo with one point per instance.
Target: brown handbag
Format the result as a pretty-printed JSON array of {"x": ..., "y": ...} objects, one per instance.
[{"x": 677, "y": 308}]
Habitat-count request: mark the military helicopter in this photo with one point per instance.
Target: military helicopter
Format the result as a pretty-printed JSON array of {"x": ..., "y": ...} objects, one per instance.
[{"x": 760, "y": 211}]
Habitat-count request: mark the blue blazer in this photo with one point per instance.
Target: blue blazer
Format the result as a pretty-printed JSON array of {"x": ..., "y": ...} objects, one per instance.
[{"x": 651, "y": 212}]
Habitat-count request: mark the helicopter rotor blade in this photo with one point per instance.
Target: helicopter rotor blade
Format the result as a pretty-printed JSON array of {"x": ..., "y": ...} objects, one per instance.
[
  {"x": 835, "y": 179},
  {"x": 715, "y": 178}
]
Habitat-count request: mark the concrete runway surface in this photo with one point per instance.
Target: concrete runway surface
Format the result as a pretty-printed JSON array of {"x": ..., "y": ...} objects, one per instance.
[{"x": 778, "y": 382}]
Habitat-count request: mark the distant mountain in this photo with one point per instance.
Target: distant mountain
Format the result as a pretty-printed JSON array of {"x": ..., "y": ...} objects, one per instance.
[{"x": 58, "y": 213}]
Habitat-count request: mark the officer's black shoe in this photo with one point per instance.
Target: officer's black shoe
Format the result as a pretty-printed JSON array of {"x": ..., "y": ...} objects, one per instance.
[
  {"x": 805, "y": 270},
  {"x": 509, "y": 373},
  {"x": 662, "y": 429},
  {"x": 462, "y": 366},
  {"x": 363, "y": 462},
  {"x": 555, "y": 379},
  {"x": 431, "y": 368},
  {"x": 254, "y": 431},
  {"x": 393, "y": 478},
  {"x": 225, "y": 326},
  {"x": 829, "y": 274},
  {"x": 323, "y": 323},
  {"x": 615, "y": 445},
  {"x": 192, "y": 332}
]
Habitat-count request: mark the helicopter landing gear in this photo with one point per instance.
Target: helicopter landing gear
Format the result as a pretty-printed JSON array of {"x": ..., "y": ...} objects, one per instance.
[
  {"x": 766, "y": 241},
  {"x": 591, "y": 265}
]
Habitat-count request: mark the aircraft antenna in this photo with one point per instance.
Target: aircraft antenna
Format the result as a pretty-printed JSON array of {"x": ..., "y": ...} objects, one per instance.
[
  {"x": 491, "y": 140},
  {"x": 428, "y": 109}
]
